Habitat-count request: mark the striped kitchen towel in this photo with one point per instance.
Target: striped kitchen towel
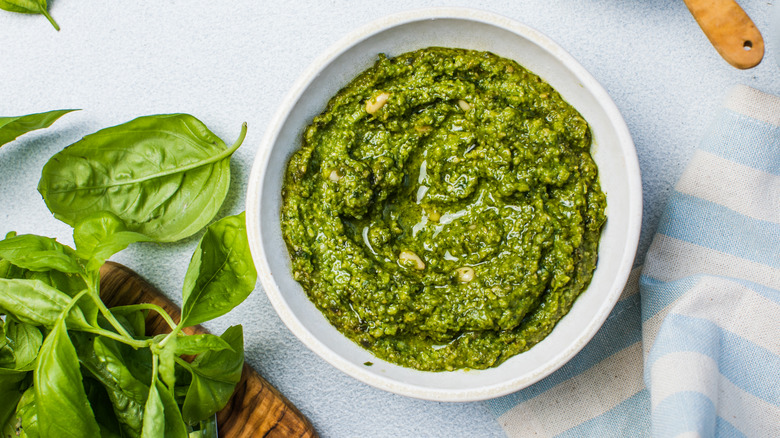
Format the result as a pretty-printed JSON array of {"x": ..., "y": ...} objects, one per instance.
[{"x": 693, "y": 346}]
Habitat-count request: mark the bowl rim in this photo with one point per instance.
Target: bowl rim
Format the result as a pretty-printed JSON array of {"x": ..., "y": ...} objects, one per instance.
[{"x": 262, "y": 160}]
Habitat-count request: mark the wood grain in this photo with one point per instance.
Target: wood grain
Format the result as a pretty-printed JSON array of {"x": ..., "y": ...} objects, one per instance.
[
  {"x": 256, "y": 409},
  {"x": 730, "y": 31}
]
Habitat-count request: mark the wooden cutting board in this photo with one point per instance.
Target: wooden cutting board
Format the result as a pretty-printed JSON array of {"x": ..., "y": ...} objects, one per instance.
[{"x": 256, "y": 409}]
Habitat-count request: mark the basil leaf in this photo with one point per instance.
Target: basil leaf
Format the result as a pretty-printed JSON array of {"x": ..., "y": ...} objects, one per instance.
[
  {"x": 26, "y": 341},
  {"x": 13, "y": 127},
  {"x": 27, "y": 412},
  {"x": 167, "y": 368},
  {"x": 174, "y": 425},
  {"x": 26, "y": 416},
  {"x": 63, "y": 408},
  {"x": 6, "y": 352},
  {"x": 109, "y": 363},
  {"x": 10, "y": 394},
  {"x": 161, "y": 415},
  {"x": 9, "y": 270},
  {"x": 101, "y": 405},
  {"x": 34, "y": 302},
  {"x": 221, "y": 273},
  {"x": 29, "y": 7},
  {"x": 214, "y": 378},
  {"x": 7, "y": 359},
  {"x": 134, "y": 321},
  {"x": 68, "y": 283},
  {"x": 101, "y": 235},
  {"x": 154, "y": 414},
  {"x": 196, "y": 344},
  {"x": 71, "y": 284},
  {"x": 164, "y": 176},
  {"x": 38, "y": 253}
]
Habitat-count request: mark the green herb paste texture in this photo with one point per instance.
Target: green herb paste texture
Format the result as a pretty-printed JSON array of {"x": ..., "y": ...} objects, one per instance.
[{"x": 444, "y": 211}]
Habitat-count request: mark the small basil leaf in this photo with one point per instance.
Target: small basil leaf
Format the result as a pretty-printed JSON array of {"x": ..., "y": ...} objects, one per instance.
[
  {"x": 174, "y": 425},
  {"x": 34, "y": 302},
  {"x": 214, "y": 378},
  {"x": 164, "y": 176},
  {"x": 13, "y": 127},
  {"x": 161, "y": 415},
  {"x": 9, "y": 270},
  {"x": 154, "y": 414},
  {"x": 63, "y": 408},
  {"x": 167, "y": 368},
  {"x": 134, "y": 321},
  {"x": 7, "y": 359},
  {"x": 26, "y": 341},
  {"x": 101, "y": 235},
  {"x": 5, "y": 350},
  {"x": 221, "y": 273},
  {"x": 196, "y": 344},
  {"x": 38, "y": 253}
]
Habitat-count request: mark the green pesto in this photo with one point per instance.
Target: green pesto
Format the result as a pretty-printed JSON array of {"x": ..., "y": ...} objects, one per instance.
[{"x": 455, "y": 224}]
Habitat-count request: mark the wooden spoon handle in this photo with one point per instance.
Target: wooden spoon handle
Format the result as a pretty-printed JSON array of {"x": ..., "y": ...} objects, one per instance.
[
  {"x": 256, "y": 409},
  {"x": 730, "y": 30}
]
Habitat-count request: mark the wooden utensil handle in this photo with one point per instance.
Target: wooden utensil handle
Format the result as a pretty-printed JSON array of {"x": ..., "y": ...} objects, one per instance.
[
  {"x": 256, "y": 409},
  {"x": 730, "y": 31}
]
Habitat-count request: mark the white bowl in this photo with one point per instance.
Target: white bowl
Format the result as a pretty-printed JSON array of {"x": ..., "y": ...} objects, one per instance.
[{"x": 613, "y": 151}]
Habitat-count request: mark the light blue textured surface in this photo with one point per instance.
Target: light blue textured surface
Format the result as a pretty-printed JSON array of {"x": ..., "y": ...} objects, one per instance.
[{"x": 229, "y": 62}]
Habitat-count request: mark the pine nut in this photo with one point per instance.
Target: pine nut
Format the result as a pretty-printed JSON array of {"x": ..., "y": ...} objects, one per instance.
[
  {"x": 375, "y": 103},
  {"x": 408, "y": 257}
]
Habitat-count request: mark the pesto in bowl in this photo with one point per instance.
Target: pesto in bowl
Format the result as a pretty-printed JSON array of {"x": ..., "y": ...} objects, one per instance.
[{"x": 444, "y": 211}]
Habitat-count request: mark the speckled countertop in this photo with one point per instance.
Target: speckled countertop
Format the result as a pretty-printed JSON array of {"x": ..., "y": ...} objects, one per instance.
[{"x": 230, "y": 62}]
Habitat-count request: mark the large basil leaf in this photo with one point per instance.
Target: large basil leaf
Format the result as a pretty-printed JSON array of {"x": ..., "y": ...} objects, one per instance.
[
  {"x": 38, "y": 253},
  {"x": 164, "y": 176},
  {"x": 109, "y": 364},
  {"x": 12, "y": 127},
  {"x": 214, "y": 378},
  {"x": 221, "y": 273},
  {"x": 101, "y": 235},
  {"x": 63, "y": 408},
  {"x": 35, "y": 302}
]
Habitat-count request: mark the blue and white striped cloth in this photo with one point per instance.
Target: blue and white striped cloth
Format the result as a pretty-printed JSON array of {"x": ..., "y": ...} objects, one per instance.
[{"x": 693, "y": 346}]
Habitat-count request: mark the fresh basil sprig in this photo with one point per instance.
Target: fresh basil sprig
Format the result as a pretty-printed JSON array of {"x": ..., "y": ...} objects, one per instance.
[
  {"x": 69, "y": 366},
  {"x": 164, "y": 176},
  {"x": 12, "y": 127},
  {"x": 29, "y": 7}
]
